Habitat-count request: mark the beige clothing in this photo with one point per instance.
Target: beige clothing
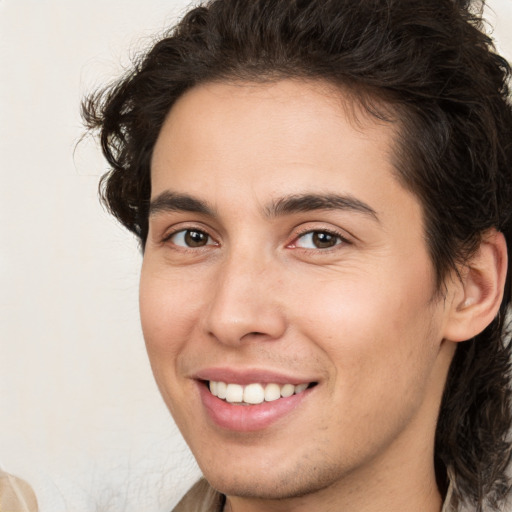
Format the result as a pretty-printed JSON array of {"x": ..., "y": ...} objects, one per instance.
[
  {"x": 16, "y": 495},
  {"x": 203, "y": 498}
]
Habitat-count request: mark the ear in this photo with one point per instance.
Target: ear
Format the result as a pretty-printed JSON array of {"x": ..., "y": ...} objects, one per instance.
[{"x": 476, "y": 296}]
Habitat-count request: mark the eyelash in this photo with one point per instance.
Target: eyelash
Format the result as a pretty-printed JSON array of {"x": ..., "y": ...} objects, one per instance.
[
  {"x": 192, "y": 229},
  {"x": 339, "y": 239}
]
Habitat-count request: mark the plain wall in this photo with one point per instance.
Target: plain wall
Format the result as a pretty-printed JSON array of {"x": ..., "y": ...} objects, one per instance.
[{"x": 80, "y": 415}]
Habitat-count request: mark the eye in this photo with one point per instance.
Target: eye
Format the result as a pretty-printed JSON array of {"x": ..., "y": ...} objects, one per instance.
[
  {"x": 318, "y": 240},
  {"x": 191, "y": 238}
]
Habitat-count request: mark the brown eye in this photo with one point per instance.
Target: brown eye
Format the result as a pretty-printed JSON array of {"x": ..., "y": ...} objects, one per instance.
[
  {"x": 318, "y": 240},
  {"x": 195, "y": 238},
  {"x": 323, "y": 240},
  {"x": 191, "y": 238}
]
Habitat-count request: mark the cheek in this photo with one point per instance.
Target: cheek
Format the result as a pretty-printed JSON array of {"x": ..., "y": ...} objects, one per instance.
[
  {"x": 381, "y": 351},
  {"x": 374, "y": 327},
  {"x": 168, "y": 310},
  {"x": 169, "y": 315}
]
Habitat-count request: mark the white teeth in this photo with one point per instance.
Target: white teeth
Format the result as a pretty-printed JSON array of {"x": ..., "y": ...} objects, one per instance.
[
  {"x": 234, "y": 393},
  {"x": 287, "y": 390},
  {"x": 300, "y": 388},
  {"x": 254, "y": 393},
  {"x": 272, "y": 392},
  {"x": 221, "y": 390}
]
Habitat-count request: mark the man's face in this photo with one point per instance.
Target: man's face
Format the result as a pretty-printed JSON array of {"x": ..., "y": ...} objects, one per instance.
[{"x": 284, "y": 254}]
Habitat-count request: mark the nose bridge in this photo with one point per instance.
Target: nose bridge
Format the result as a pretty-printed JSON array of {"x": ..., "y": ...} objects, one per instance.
[{"x": 245, "y": 299}]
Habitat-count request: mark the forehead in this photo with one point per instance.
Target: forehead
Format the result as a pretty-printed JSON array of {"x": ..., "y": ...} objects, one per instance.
[{"x": 234, "y": 141}]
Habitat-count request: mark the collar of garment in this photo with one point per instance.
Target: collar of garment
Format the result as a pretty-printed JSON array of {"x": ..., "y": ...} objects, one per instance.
[{"x": 203, "y": 498}]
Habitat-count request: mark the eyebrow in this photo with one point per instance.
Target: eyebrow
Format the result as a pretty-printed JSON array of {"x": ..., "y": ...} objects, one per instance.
[
  {"x": 173, "y": 202},
  {"x": 169, "y": 201},
  {"x": 310, "y": 202}
]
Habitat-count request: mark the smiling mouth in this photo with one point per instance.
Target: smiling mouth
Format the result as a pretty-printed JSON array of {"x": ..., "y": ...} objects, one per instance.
[{"x": 256, "y": 393}]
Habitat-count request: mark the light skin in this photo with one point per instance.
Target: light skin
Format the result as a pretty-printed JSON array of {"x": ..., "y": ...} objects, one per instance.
[{"x": 282, "y": 245}]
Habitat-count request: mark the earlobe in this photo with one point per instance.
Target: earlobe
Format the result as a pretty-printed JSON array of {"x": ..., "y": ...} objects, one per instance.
[{"x": 477, "y": 294}]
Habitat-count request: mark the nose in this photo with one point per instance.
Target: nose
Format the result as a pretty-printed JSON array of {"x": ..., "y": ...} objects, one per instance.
[{"x": 245, "y": 303}]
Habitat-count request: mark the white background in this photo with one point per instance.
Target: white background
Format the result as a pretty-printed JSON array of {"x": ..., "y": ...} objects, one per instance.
[{"x": 80, "y": 416}]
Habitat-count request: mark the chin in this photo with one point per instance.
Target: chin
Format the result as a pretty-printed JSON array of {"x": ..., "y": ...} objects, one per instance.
[{"x": 273, "y": 485}]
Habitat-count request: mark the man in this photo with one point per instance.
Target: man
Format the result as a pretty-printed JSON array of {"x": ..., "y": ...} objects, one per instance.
[{"x": 322, "y": 190}]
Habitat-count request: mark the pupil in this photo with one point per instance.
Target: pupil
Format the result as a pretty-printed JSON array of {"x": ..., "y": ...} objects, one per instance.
[
  {"x": 323, "y": 240},
  {"x": 195, "y": 238}
]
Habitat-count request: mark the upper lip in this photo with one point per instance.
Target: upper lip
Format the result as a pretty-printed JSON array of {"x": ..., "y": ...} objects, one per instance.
[{"x": 249, "y": 376}]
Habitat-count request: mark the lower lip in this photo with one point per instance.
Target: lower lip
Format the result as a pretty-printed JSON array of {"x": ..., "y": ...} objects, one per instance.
[{"x": 247, "y": 418}]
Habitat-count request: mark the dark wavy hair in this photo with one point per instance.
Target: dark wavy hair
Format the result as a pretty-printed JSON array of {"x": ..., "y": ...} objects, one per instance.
[{"x": 426, "y": 66}]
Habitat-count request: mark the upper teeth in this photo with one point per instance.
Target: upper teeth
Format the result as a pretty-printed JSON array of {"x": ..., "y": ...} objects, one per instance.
[{"x": 253, "y": 393}]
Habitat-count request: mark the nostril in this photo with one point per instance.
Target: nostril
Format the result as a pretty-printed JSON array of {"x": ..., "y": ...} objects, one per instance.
[{"x": 233, "y": 321}]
